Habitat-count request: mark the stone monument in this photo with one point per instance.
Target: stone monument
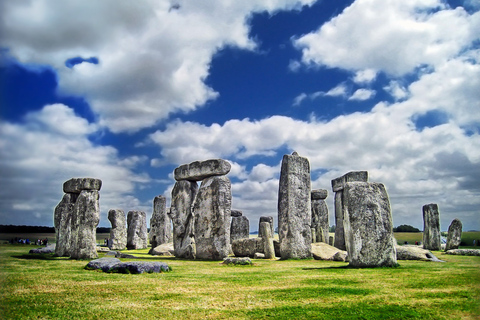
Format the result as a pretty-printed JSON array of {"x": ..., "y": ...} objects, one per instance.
[
  {"x": 431, "y": 227},
  {"x": 454, "y": 235},
  {"x": 118, "y": 232},
  {"x": 320, "y": 223},
  {"x": 137, "y": 234}
]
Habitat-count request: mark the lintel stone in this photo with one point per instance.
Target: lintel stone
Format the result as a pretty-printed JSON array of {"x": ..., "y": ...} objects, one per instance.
[
  {"x": 199, "y": 170},
  {"x": 76, "y": 185},
  {"x": 352, "y": 176}
]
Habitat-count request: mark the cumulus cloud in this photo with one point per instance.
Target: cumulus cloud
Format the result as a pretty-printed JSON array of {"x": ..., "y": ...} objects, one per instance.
[
  {"x": 49, "y": 147},
  {"x": 365, "y": 76},
  {"x": 152, "y": 59},
  {"x": 393, "y": 36},
  {"x": 362, "y": 95}
]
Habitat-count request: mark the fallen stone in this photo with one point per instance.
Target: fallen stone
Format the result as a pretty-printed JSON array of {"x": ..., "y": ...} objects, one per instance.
[
  {"x": 243, "y": 261},
  {"x": 42, "y": 250},
  {"x": 138, "y": 267},
  {"x": 259, "y": 255},
  {"x": 247, "y": 247},
  {"x": 368, "y": 225},
  {"x": 76, "y": 185},
  {"x": 137, "y": 230},
  {"x": 454, "y": 235},
  {"x": 464, "y": 252},
  {"x": 102, "y": 249},
  {"x": 411, "y": 252},
  {"x": 294, "y": 208},
  {"x": 165, "y": 249},
  {"x": 118, "y": 232},
  {"x": 431, "y": 227},
  {"x": 104, "y": 264},
  {"x": 199, "y": 170},
  {"x": 323, "y": 251}
]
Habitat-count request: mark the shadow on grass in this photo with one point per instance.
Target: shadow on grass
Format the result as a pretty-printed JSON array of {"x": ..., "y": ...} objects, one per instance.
[{"x": 39, "y": 257}]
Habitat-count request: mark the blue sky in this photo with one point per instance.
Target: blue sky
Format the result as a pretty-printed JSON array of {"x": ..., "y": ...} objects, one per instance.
[{"x": 127, "y": 92}]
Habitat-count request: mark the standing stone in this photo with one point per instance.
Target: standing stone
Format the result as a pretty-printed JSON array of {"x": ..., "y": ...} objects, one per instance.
[
  {"x": 118, "y": 232},
  {"x": 268, "y": 219},
  {"x": 160, "y": 230},
  {"x": 294, "y": 208},
  {"x": 183, "y": 195},
  {"x": 137, "y": 230},
  {"x": 63, "y": 224},
  {"x": 267, "y": 238},
  {"x": 431, "y": 227},
  {"x": 337, "y": 186},
  {"x": 85, "y": 219},
  {"x": 454, "y": 235},
  {"x": 330, "y": 241},
  {"x": 212, "y": 213},
  {"x": 368, "y": 219},
  {"x": 240, "y": 228},
  {"x": 199, "y": 170},
  {"x": 320, "y": 221}
]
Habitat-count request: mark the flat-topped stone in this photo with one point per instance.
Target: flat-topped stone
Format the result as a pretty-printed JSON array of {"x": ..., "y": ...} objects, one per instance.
[
  {"x": 352, "y": 176},
  {"x": 243, "y": 261},
  {"x": 319, "y": 194},
  {"x": 76, "y": 185},
  {"x": 199, "y": 170},
  {"x": 236, "y": 213}
]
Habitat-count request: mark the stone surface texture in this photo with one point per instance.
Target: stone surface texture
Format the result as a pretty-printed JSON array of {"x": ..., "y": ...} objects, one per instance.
[
  {"x": 199, "y": 170},
  {"x": 240, "y": 228},
  {"x": 212, "y": 214},
  {"x": 43, "y": 250},
  {"x": 137, "y": 235},
  {"x": 369, "y": 226},
  {"x": 160, "y": 225},
  {"x": 118, "y": 232},
  {"x": 464, "y": 252},
  {"x": 236, "y": 213},
  {"x": 267, "y": 238},
  {"x": 411, "y": 252},
  {"x": 454, "y": 236},
  {"x": 165, "y": 249},
  {"x": 319, "y": 194},
  {"x": 244, "y": 261},
  {"x": 431, "y": 227},
  {"x": 320, "y": 221},
  {"x": 323, "y": 251},
  {"x": 63, "y": 224},
  {"x": 76, "y": 185},
  {"x": 247, "y": 247},
  {"x": 268, "y": 219},
  {"x": 183, "y": 195},
  {"x": 294, "y": 208}
]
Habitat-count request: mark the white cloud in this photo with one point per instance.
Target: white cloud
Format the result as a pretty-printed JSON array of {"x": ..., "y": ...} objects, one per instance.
[
  {"x": 152, "y": 60},
  {"x": 392, "y": 36},
  {"x": 396, "y": 90},
  {"x": 298, "y": 99},
  {"x": 362, "y": 95},
  {"x": 50, "y": 147},
  {"x": 365, "y": 76},
  {"x": 339, "y": 91}
]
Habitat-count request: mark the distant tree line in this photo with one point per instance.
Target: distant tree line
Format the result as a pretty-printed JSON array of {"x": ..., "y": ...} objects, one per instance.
[
  {"x": 37, "y": 229},
  {"x": 405, "y": 228}
]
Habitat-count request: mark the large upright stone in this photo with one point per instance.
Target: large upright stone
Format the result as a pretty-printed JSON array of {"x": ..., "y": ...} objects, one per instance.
[
  {"x": 240, "y": 228},
  {"x": 267, "y": 238},
  {"x": 454, "y": 236},
  {"x": 212, "y": 215},
  {"x": 368, "y": 219},
  {"x": 431, "y": 227},
  {"x": 137, "y": 234},
  {"x": 268, "y": 219},
  {"x": 118, "y": 232},
  {"x": 85, "y": 219},
  {"x": 183, "y": 195},
  {"x": 199, "y": 170},
  {"x": 160, "y": 225},
  {"x": 320, "y": 215},
  {"x": 63, "y": 224},
  {"x": 76, "y": 185},
  {"x": 337, "y": 186},
  {"x": 294, "y": 208}
]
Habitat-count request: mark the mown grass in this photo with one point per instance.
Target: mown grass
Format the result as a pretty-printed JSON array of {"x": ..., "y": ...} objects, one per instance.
[{"x": 44, "y": 287}]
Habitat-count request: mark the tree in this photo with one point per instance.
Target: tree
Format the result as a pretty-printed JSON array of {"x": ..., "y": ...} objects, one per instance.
[{"x": 405, "y": 228}]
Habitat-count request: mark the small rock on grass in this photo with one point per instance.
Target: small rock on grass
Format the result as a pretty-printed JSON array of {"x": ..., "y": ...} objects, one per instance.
[
  {"x": 238, "y": 261},
  {"x": 114, "y": 265},
  {"x": 464, "y": 252}
]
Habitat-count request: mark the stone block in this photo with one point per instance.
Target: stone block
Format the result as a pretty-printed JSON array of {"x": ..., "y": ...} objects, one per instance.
[
  {"x": 240, "y": 228},
  {"x": 76, "y": 185},
  {"x": 236, "y": 213},
  {"x": 85, "y": 219},
  {"x": 160, "y": 224},
  {"x": 247, "y": 247},
  {"x": 268, "y": 219},
  {"x": 319, "y": 194},
  {"x": 118, "y": 232},
  {"x": 339, "y": 183},
  {"x": 454, "y": 236},
  {"x": 137, "y": 235},
  {"x": 431, "y": 227},
  {"x": 199, "y": 170}
]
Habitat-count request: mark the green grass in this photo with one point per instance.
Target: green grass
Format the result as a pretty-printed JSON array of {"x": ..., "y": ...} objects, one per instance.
[{"x": 44, "y": 287}]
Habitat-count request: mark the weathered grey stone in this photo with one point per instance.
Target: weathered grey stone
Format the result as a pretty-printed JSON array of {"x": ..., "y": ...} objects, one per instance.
[
  {"x": 247, "y": 247},
  {"x": 268, "y": 219},
  {"x": 323, "y": 251},
  {"x": 160, "y": 225},
  {"x": 431, "y": 227},
  {"x": 240, "y": 228},
  {"x": 319, "y": 194},
  {"x": 411, "y": 252},
  {"x": 330, "y": 240},
  {"x": 183, "y": 194},
  {"x": 267, "y": 238},
  {"x": 368, "y": 221},
  {"x": 63, "y": 224},
  {"x": 85, "y": 219},
  {"x": 294, "y": 208},
  {"x": 259, "y": 255},
  {"x": 314, "y": 236},
  {"x": 236, "y": 213},
  {"x": 118, "y": 232},
  {"x": 165, "y": 249},
  {"x": 339, "y": 239},
  {"x": 199, "y": 170},
  {"x": 211, "y": 210},
  {"x": 320, "y": 221},
  {"x": 43, "y": 250},
  {"x": 464, "y": 252},
  {"x": 137, "y": 267},
  {"x": 454, "y": 235},
  {"x": 76, "y": 185},
  {"x": 243, "y": 261},
  {"x": 137, "y": 235},
  {"x": 104, "y": 264},
  {"x": 339, "y": 183}
]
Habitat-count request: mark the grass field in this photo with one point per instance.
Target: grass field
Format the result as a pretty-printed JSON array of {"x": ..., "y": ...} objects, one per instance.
[{"x": 44, "y": 287}]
